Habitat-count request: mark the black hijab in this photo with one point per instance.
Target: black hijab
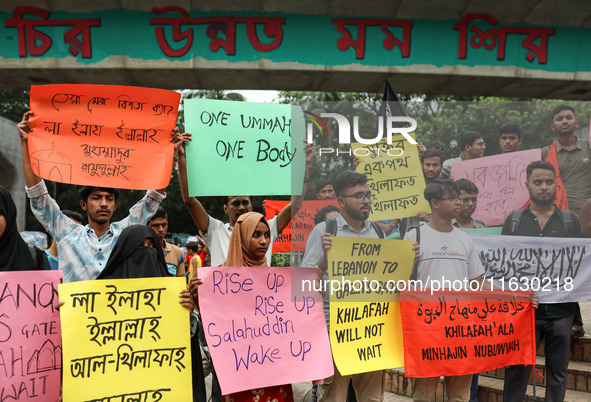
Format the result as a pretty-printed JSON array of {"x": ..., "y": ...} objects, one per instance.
[
  {"x": 14, "y": 251},
  {"x": 129, "y": 261}
]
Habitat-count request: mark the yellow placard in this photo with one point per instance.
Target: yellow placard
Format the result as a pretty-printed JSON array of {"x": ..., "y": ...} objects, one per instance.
[
  {"x": 365, "y": 319},
  {"x": 125, "y": 339},
  {"x": 395, "y": 177}
]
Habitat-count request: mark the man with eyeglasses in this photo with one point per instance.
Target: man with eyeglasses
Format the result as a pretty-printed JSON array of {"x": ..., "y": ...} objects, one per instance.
[
  {"x": 446, "y": 254},
  {"x": 354, "y": 197},
  {"x": 468, "y": 202}
]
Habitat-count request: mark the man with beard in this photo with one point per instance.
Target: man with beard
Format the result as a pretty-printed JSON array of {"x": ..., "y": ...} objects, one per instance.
[
  {"x": 83, "y": 250},
  {"x": 468, "y": 202},
  {"x": 573, "y": 155},
  {"x": 553, "y": 321},
  {"x": 354, "y": 197}
]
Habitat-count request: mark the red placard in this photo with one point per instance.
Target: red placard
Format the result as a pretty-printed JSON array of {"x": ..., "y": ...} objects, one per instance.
[
  {"x": 103, "y": 135},
  {"x": 295, "y": 235},
  {"x": 463, "y": 332}
]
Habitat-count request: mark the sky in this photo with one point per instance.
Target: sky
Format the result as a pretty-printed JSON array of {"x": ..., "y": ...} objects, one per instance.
[{"x": 264, "y": 96}]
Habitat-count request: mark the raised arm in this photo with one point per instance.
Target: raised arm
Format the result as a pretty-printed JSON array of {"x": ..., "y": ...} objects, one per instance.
[
  {"x": 294, "y": 206},
  {"x": 198, "y": 213},
  {"x": 23, "y": 131}
]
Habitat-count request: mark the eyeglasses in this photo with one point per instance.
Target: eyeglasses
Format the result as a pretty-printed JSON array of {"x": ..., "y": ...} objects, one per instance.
[
  {"x": 360, "y": 196},
  {"x": 467, "y": 200},
  {"x": 452, "y": 199}
]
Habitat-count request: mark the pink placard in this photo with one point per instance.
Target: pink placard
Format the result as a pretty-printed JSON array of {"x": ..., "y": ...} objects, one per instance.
[
  {"x": 30, "y": 336},
  {"x": 501, "y": 183},
  {"x": 257, "y": 335}
]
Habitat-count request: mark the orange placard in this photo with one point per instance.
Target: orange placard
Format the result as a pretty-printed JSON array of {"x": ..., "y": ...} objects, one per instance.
[
  {"x": 295, "y": 235},
  {"x": 457, "y": 333},
  {"x": 103, "y": 135}
]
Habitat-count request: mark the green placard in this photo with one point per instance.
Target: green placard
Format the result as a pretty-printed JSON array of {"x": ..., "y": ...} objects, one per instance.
[
  {"x": 493, "y": 230},
  {"x": 244, "y": 148}
]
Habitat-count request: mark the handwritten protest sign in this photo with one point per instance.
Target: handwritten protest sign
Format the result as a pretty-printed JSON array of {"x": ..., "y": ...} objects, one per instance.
[
  {"x": 125, "y": 339},
  {"x": 462, "y": 333},
  {"x": 365, "y": 326},
  {"x": 395, "y": 177},
  {"x": 501, "y": 183},
  {"x": 257, "y": 333},
  {"x": 30, "y": 336},
  {"x": 295, "y": 235},
  {"x": 253, "y": 148},
  {"x": 103, "y": 135},
  {"x": 555, "y": 268}
]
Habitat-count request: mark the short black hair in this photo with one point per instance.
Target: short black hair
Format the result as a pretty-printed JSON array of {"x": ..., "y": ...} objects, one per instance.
[
  {"x": 73, "y": 215},
  {"x": 562, "y": 107},
  {"x": 321, "y": 214},
  {"x": 467, "y": 186},
  {"x": 510, "y": 128},
  {"x": 432, "y": 153},
  {"x": 160, "y": 213},
  {"x": 438, "y": 187},
  {"x": 347, "y": 179},
  {"x": 539, "y": 165},
  {"x": 85, "y": 191},
  {"x": 193, "y": 246},
  {"x": 468, "y": 138},
  {"x": 322, "y": 183}
]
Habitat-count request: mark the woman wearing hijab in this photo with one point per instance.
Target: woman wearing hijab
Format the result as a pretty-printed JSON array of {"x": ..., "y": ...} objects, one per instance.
[
  {"x": 15, "y": 253},
  {"x": 137, "y": 254},
  {"x": 249, "y": 242}
]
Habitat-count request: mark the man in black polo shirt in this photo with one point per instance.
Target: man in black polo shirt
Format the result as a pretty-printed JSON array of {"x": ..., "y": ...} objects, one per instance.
[{"x": 553, "y": 321}]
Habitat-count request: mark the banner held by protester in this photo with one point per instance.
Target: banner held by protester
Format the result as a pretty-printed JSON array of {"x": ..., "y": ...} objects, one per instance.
[
  {"x": 125, "y": 339},
  {"x": 100, "y": 135}
]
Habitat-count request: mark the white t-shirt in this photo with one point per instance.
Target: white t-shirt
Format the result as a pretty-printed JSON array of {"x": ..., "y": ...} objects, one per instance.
[
  {"x": 218, "y": 240},
  {"x": 445, "y": 256}
]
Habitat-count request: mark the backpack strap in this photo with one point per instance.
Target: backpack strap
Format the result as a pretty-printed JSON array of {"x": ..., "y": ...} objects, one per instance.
[
  {"x": 331, "y": 226},
  {"x": 378, "y": 230},
  {"x": 415, "y": 266},
  {"x": 515, "y": 219},
  {"x": 567, "y": 218}
]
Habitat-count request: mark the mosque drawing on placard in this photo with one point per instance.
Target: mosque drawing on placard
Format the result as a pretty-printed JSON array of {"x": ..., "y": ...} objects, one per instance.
[
  {"x": 52, "y": 164},
  {"x": 48, "y": 357}
]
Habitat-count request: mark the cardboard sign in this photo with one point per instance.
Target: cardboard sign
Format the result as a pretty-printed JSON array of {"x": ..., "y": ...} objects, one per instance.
[
  {"x": 463, "y": 333},
  {"x": 395, "y": 177},
  {"x": 126, "y": 339},
  {"x": 365, "y": 323},
  {"x": 501, "y": 183},
  {"x": 260, "y": 335},
  {"x": 103, "y": 135},
  {"x": 295, "y": 235},
  {"x": 253, "y": 148},
  {"x": 30, "y": 336},
  {"x": 556, "y": 268}
]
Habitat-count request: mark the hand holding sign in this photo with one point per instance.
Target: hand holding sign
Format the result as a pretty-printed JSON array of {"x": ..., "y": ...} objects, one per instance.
[{"x": 101, "y": 134}]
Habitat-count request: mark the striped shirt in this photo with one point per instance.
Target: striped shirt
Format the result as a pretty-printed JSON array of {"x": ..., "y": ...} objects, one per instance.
[{"x": 82, "y": 255}]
